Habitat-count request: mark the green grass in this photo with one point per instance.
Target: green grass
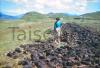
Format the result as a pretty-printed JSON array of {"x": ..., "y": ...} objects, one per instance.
[
  {"x": 6, "y": 33},
  {"x": 93, "y": 24}
]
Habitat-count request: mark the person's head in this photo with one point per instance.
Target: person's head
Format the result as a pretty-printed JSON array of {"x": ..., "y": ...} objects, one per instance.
[{"x": 57, "y": 18}]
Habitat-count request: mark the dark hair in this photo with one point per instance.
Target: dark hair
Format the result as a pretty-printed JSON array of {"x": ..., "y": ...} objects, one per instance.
[{"x": 57, "y": 18}]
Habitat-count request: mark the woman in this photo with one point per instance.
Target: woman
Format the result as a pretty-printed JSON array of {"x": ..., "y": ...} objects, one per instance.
[{"x": 57, "y": 29}]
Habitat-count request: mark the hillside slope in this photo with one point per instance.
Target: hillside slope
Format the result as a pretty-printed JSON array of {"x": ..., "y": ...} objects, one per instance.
[
  {"x": 33, "y": 16},
  {"x": 93, "y": 15}
]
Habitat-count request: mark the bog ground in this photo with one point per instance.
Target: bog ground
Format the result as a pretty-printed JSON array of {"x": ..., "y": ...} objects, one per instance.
[{"x": 7, "y": 44}]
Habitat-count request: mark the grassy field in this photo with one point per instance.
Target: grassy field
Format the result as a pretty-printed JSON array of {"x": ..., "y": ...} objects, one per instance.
[
  {"x": 6, "y": 35},
  {"x": 6, "y": 38}
]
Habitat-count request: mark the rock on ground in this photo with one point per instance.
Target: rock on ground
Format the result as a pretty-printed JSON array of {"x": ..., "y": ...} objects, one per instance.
[{"x": 81, "y": 50}]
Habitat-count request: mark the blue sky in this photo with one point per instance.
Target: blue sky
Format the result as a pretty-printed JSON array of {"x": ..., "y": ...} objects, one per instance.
[{"x": 17, "y": 7}]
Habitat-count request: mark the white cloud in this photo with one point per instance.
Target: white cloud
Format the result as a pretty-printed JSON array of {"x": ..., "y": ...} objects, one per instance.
[
  {"x": 16, "y": 11},
  {"x": 19, "y": 1},
  {"x": 93, "y": 0},
  {"x": 78, "y": 6}
]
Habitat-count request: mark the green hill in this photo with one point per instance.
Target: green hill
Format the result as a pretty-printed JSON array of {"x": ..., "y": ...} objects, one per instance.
[
  {"x": 93, "y": 15},
  {"x": 34, "y": 16}
]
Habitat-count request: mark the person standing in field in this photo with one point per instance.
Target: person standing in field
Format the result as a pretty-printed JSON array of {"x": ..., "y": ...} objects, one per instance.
[{"x": 57, "y": 29}]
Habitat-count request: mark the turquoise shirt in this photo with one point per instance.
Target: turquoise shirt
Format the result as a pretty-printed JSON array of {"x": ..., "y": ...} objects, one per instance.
[{"x": 57, "y": 24}]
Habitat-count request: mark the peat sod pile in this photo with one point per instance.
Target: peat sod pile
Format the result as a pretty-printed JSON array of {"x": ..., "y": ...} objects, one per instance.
[{"x": 81, "y": 49}]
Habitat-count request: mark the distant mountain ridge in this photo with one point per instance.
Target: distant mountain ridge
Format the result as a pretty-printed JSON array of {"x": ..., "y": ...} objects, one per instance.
[
  {"x": 32, "y": 16},
  {"x": 7, "y": 17},
  {"x": 54, "y": 15}
]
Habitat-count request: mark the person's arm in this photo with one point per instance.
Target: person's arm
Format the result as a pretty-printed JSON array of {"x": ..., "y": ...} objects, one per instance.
[{"x": 55, "y": 26}]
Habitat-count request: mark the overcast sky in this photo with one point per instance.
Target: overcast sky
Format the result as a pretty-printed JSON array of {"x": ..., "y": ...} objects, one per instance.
[{"x": 17, "y": 7}]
